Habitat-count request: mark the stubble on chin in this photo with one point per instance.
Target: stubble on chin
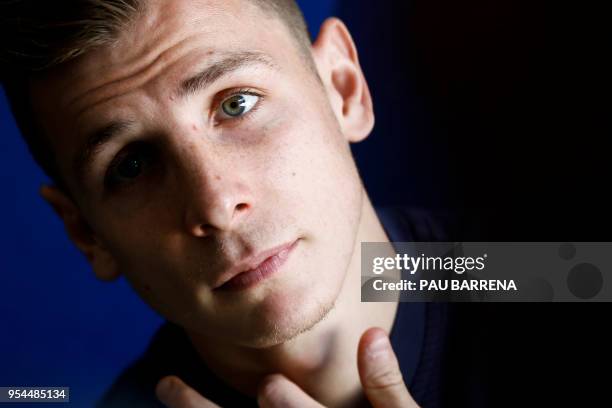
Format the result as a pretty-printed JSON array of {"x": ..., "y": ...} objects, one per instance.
[{"x": 282, "y": 332}]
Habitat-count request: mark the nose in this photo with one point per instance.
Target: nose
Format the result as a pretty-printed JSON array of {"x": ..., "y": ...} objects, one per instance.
[{"x": 217, "y": 199}]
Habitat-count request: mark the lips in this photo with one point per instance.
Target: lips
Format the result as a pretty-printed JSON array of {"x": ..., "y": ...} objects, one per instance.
[{"x": 255, "y": 269}]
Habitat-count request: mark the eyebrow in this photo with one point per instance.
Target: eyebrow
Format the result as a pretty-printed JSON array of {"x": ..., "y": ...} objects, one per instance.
[
  {"x": 215, "y": 70},
  {"x": 224, "y": 66}
]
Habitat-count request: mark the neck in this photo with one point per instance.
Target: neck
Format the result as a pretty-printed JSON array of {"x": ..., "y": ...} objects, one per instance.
[{"x": 322, "y": 361}]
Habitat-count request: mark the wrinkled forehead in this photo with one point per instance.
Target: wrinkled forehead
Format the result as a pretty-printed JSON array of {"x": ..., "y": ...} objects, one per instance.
[{"x": 162, "y": 32}]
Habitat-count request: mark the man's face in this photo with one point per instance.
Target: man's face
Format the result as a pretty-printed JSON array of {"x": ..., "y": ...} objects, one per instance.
[{"x": 197, "y": 173}]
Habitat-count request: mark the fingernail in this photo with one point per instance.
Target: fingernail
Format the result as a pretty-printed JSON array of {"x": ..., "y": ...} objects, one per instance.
[{"x": 379, "y": 348}]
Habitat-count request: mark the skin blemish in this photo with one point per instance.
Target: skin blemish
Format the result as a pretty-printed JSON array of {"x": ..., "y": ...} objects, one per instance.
[{"x": 194, "y": 127}]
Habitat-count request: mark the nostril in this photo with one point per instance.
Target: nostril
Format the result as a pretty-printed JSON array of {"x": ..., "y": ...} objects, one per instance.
[
  {"x": 242, "y": 206},
  {"x": 201, "y": 231}
]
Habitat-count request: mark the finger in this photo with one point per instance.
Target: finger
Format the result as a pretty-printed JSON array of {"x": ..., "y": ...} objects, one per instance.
[
  {"x": 379, "y": 372},
  {"x": 277, "y": 391},
  {"x": 174, "y": 393}
]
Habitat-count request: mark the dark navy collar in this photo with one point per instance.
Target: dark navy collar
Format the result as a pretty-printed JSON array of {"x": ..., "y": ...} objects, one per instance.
[{"x": 408, "y": 332}]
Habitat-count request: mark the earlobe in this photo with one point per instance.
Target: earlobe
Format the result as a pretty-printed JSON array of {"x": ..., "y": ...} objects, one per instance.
[
  {"x": 336, "y": 58},
  {"x": 80, "y": 233}
]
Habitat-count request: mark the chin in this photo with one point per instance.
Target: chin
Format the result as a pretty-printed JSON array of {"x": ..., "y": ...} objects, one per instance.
[{"x": 281, "y": 318}]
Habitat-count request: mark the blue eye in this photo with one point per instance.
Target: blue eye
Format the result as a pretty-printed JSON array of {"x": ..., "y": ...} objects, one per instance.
[{"x": 239, "y": 104}]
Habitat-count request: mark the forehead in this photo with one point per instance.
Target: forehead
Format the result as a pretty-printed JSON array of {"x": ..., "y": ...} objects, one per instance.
[
  {"x": 164, "y": 33},
  {"x": 166, "y": 27}
]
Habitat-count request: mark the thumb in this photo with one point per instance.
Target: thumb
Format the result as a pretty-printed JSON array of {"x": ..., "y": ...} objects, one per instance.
[{"x": 379, "y": 372}]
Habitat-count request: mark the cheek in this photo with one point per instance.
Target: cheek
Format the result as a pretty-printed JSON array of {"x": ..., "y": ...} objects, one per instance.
[
  {"x": 314, "y": 175},
  {"x": 151, "y": 261},
  {"x": 147, "y": 271},
  {"x": 325, "y": 175},
  {"x": 307, "y": 155}
]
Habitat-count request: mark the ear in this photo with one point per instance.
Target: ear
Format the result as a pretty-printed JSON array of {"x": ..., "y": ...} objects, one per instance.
[
  {"x": 81, "y": 234},
  {"x": 336, "y": 58}
]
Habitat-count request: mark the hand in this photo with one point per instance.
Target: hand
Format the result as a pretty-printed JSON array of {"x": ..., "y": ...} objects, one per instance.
[{"x": 379, "y": 373}]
